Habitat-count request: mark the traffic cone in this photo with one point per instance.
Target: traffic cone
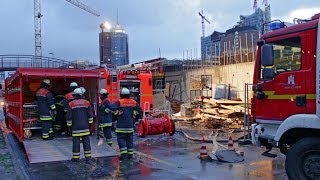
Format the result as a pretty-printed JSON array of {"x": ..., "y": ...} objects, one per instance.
[
  {"x": 203, "y": 150},
  {"x": 230, "y": 144}
]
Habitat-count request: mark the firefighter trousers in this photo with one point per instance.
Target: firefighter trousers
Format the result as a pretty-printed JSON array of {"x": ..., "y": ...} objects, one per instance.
[
  {"x": 76, "y": 146},
  {"x": 107, "y": 134},
  {"x": 125, "y": 142},
  {"x": 46, "y": 129}
]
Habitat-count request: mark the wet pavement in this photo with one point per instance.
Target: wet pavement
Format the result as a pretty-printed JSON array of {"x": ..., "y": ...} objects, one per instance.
[
  {"x": 163, "y": 157},
  {"x": 158, "y": 157}
]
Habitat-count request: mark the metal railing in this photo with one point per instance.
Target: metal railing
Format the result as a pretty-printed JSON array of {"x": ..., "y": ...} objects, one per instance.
[{"x": 12, "y": 62}]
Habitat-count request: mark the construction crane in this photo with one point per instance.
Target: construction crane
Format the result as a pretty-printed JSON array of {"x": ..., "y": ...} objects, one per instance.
[
  {"x": 203, "y": 18},
  {"x": 37, "y": 22}
]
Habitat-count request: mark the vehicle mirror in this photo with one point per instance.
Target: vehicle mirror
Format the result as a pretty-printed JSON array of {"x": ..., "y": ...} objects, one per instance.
[
  {"x": 267, "y": 55},
  {"x": 268, "y": 74}
]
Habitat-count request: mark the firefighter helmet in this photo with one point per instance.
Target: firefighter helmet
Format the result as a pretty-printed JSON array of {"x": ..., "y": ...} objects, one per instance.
[
  {"x": 103, "y": 91},
  {"x": 73, "y": 84},
  {"x": 83, "y": 89},
  {"x": 46, "y": 81},
  {"x": 125, "y": 91},
  {"x": 78, "y": 91}
]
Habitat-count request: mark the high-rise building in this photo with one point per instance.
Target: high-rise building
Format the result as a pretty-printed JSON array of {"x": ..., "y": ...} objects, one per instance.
[
  {"x": 211, "y": 46},
  {"x": 257, "y": 19},
  {"x": 105, "y": 48},
  {"x": 119, "y": 46}
]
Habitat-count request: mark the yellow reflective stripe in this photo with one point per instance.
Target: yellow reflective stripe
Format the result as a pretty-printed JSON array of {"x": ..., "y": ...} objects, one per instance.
[
  {"x": 271, "y": 95},
  {"x": 76, "y": 157},
  {"x": 130, "y": 152},
  {"x": 45, "y": 118},
  {"x": 124, "y": 131},
  {"x": 90, "y": 120},
  {"x": 124, "y": 152},
  {"x": 87, "y": 155},
  {"x": 53, "y": 106},
  {"x": 45, "y": 136},
  {"x": 107, "y": 110},
  {"x": 105, "y": 125},
  {"x": 69, "y": 124},
  {"x": 80, "y": 134}
]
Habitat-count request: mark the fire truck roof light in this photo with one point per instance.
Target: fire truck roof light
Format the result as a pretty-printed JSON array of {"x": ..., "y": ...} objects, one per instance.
[{"x": 276, "y": 25}]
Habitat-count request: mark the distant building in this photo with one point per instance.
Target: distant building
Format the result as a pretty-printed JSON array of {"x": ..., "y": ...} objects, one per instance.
[
  {"x": 257, "y": 19},
  {"x": 239, "y": 44},
  {"x": 211, "y": 46},
  {"x": 119, "y": 46},
  {"x": 105, "y": 48},
  {"x": 114, "y": 47}
]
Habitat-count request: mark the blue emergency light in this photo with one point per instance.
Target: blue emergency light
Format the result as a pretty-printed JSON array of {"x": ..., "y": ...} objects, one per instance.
[{"x": 276, "y": 25}]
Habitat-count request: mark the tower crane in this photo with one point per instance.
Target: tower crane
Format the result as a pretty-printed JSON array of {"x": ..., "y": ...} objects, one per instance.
[
  {"x": 37, "y": 21},
  {"x": 203, "y": 18}
]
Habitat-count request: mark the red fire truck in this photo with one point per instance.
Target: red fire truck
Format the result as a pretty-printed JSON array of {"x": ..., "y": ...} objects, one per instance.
[
  {"x": 286, "y": 103},
  {"x": 139, "y": 82}
]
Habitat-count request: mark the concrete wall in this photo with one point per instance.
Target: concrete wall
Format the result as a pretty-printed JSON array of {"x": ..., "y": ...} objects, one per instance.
[{"x": 235, "y": 74}]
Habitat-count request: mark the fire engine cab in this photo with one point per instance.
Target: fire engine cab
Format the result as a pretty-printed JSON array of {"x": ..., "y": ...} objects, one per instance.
[{"x": 285, "y": 108}]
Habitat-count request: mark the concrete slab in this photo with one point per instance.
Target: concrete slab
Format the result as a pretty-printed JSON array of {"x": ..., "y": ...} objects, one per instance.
[{"x": 60, "y": 149}]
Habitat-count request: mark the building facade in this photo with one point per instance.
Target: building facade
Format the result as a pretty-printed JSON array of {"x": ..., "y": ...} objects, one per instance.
[
  {"x": 114, "y": 50},
  {"x": 211, "y": 47},
  {"x": 119, "y": 47},
  {"x": 105, "y": 48},
  {"x": 257, "y": 19}
]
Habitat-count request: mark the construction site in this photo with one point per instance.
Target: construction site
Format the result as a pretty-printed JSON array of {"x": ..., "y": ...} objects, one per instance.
[{"x": 245, "y": 107}]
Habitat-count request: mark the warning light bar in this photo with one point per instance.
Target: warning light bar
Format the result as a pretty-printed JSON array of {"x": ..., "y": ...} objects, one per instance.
[{"x": 131, "y": 72}]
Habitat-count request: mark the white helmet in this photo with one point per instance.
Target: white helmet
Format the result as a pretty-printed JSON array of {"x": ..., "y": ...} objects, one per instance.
[
  {"x": 47, "y": 81},
  {"x": 78, "y": 91},
  {"x": 125, "y": 91},
  {"x": 103, "y": 91},
  {"x": 83, "y": 89},
  {"x": 73, "y": 84}
]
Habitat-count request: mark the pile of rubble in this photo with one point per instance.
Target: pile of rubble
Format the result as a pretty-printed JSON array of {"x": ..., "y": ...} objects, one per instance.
[{"x": 212, "y": 113}]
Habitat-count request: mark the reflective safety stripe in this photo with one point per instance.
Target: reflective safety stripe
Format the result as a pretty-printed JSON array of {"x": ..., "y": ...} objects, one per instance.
[
  {"x": 86, "y": 152},
  {"x": 45, "y": 136},
  {"x": 124, "y": 152},
  {"x": 105, "y": 125},
  {"x": 130, "y": 152},
  {"x": 76, "y": 157},
  {"x": 51, "y": 130},
  {"x": 76, "y": 154},
  {"x": 87, "y": 155},
  {"x": 45, "y": 118},
  {"x": 107, "y": 110},
  {"x": 69, "y": 124},
  {"x": 272, "y": 95},
  {"x": 80, "y": 131},
  {"x": 90, "y": 120},
  {"x": 124, "y": 130},
  {"x": 81, "y": 134},
  {"x": 53, "y": 106},
  {"x": 109, "y": 141}
]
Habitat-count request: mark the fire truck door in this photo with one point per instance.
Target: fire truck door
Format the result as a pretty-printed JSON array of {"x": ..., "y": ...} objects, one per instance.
[{"x": 285, "y": 93}]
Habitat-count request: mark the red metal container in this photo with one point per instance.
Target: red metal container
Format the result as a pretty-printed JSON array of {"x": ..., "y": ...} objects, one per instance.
[{"x": 156, "y": 125}]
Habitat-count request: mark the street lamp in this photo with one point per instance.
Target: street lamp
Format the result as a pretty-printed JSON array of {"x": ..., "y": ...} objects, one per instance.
[{"x": 104, "y": 25}]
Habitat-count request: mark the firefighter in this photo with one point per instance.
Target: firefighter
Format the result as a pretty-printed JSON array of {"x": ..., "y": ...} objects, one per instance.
[
  {"x": 60, "y": 124},
  {"x": 105, "y": 116},
  {"x": 46, "y": 109},
  {"x": 69, "y": 96},
  {"x": 124, "y": 128},
  {"x": 79, "y": 118}
]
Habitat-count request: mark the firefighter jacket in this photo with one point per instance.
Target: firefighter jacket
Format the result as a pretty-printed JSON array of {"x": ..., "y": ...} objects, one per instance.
[
  {"x": 69, "y": 96},
  {"x": 79, "y": 117},
  {"x": 125, "y": 108},
  {"x": 105, "y": 114},
  {"x": 45, "y": 102},
  {"x": 61, "y": 106}
]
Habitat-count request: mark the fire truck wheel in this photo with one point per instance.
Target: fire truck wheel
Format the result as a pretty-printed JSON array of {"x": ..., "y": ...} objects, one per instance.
[
  {"x": 173, "y": 128},
  {"x": 141, "y": 129},
  {"x": 303, "y": 159},
  {"x": 27, "y": 133}
]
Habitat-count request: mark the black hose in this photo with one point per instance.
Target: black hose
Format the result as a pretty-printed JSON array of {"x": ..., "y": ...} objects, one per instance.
[{"x": 200, "y": 139}]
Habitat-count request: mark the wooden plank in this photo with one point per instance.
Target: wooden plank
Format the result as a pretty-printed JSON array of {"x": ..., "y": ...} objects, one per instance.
[
  {"x": 227, "y": 102},
  {"x": 235, "y": 109},
  {"x": 60, "y": 149},
  {"x": 210, "y": 111}
]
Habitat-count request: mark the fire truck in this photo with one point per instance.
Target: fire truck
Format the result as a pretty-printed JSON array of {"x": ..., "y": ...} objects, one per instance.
[
  {"x": 285, "y": 108},
  {"x": 138, "y": 81}
]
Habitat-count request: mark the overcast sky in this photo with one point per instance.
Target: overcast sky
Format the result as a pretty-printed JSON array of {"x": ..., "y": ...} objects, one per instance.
[{"x": 172, "y": 25}]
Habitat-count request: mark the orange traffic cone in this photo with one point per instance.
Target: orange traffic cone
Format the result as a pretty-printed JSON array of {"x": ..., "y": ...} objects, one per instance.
[
  {"x": 230, "y": 144},
  {"x": 203, "y": 150}
]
